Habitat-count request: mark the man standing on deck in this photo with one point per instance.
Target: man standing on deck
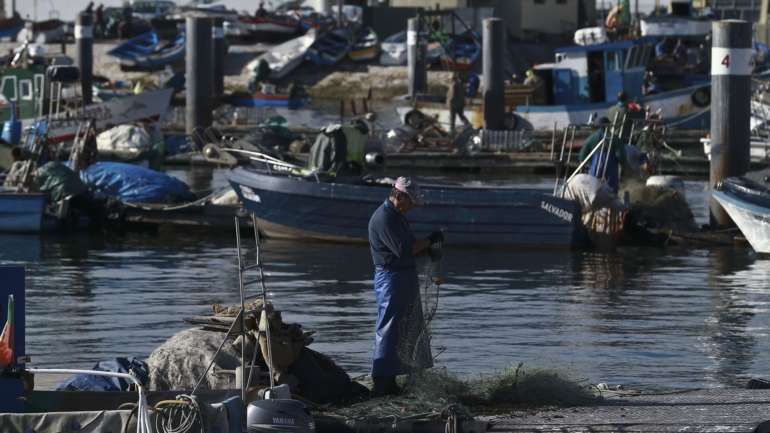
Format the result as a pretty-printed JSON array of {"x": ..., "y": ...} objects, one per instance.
[{"x": 399, "y": 343}]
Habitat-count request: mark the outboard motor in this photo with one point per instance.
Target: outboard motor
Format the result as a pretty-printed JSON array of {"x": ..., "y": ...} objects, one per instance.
[{"x": 279, "y": 416}]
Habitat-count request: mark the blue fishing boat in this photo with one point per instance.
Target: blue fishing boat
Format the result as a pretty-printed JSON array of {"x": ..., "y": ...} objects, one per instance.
[
  {"x": 260, "y": 99},
  {"x": 296, "y": 207},
  {"x": 137, "y": 46},
  {"x": 21, "y": 212},
  {"x": 159, "y": 57},
  {"x": 331, "y": 47}
]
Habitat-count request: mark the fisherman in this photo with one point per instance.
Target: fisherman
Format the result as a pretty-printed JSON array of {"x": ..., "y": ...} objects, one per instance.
[
  {"x": 398, "y": 346},
  {"x": 617, "y": 153},
  {"x": 534, "y": 81},
  {"x": 261, "y": 12},
  {"x": 99, "y": 20},
  {"x": 615, "y": 23},
  {"x": 455, "y": 102},
  {"x": 90, "y": 8}
]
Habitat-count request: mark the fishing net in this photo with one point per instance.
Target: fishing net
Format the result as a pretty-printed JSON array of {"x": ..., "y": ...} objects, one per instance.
[
  {"x": 428, "y": 393},
  {"x": 660, "y": 207}
]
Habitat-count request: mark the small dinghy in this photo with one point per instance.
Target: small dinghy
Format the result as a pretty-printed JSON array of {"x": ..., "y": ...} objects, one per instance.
[
  {"x": 331, "y": 47},
  {"x": 367, "y": 46}
]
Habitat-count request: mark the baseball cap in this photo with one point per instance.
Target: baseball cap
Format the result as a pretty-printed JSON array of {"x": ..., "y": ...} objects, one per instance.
[{"x": 410, "y": 187}]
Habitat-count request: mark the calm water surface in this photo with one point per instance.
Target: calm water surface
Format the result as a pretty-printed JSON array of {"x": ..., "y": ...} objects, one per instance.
[{"x": 649, "y": 318}]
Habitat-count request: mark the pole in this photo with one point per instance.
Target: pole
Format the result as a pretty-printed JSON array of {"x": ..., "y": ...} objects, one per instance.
[
  {"x": 493, "y": 81},
  {"x": 84, "y": 41},
  {"x": 199, "y": 73},
  {"x": 731, "y": 66},
  {"x": 220, "y": 48},
  {"x": 340, "y": 3},
  {"x": 416, "y": 58}
]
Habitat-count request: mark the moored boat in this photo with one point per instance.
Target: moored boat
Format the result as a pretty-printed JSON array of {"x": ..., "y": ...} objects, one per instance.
[
  {"x": 331, "y": 47},
  {"x": 339, "y": 211},
  {"x": 21, "y": 212},
  {"x": 746, "y": 200},
  {"x": 260, "y": 99},
  {"x": 285, "y": 57},
  {"x": 366, "y": 47},
  {"x": 157, "y": 58},
  {"x": 265, "y": 28}
]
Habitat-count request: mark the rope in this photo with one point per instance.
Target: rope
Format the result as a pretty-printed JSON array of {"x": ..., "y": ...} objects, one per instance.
[
  {"x": 178, "y": 416},
  {"x": 198, "y": 202}
]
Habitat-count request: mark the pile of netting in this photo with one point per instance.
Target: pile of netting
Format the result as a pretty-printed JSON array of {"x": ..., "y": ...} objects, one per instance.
[{"x": 428, "y": 394}]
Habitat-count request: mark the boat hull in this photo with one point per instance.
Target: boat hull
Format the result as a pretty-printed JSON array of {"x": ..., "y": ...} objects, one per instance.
[
  {"x": 296, "y": 208},
  {"x": 149, "y": 106},
  {"x": 21, "y": 212},
  {"x": 676, "y": 107},
  {"x": 751, "y": 219}
]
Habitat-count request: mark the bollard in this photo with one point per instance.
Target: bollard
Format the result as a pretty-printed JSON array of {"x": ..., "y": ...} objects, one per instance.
[
  {"x": 416, "y": 58},
  {"x": 220, "y": 48},
  {"x": 731, "y": 66},
  {"x": 493, "y": 84},
  {"x": 84, "y": 45},
  {"x": 199, "y": 73}
]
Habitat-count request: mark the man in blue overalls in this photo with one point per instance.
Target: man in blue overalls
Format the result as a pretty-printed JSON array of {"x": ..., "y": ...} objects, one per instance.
[{"x": 400, "y": 344}]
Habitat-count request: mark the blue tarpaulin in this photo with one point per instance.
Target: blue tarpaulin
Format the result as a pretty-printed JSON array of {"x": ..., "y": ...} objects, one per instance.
[{"x": 134, "y": 184}]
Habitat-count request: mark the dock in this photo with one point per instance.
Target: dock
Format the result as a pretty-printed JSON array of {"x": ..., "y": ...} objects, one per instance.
[{"x": 712, "y": 410}]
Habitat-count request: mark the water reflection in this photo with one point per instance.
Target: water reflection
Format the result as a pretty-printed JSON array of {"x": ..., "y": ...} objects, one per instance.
[{"x": 641, "y": 317}]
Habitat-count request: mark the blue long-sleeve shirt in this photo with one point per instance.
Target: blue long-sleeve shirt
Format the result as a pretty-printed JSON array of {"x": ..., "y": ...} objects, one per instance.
[{"x": 390, "y": 238}]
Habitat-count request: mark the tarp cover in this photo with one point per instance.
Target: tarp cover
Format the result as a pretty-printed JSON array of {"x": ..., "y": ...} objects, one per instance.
[
  {"x": 134, "y": 184},
  {"x": 59, "y": 181},
  {"x": 88, "y": 382},
  {"x": 124, "y": 138},
  {"x": 81, "y": 422}
]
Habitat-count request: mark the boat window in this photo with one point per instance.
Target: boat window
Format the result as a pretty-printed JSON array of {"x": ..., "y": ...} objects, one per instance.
[
  {"x": 25, "y": 89},
  {"x": 614, "y": 60},
  {"x": 9, "y": 88}
]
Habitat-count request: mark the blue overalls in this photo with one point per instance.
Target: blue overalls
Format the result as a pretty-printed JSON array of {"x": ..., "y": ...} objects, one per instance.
[{"x": 400, "y": 345}]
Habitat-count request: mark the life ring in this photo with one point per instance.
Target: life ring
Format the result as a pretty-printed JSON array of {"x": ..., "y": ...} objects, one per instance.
[{"x": 701, "y": 97}]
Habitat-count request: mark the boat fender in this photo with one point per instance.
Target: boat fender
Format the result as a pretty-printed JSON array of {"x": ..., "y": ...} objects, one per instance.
[
  {"x": 701, "y": 97},
  {"x": 375, "y": 159}
]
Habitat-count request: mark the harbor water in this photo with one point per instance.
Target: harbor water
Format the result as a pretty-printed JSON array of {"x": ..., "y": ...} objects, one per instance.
[{"x": 645, "y": 318}]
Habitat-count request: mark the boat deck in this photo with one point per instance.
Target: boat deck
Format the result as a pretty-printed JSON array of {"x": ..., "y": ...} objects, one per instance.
[{"x": 713, "y": 410}]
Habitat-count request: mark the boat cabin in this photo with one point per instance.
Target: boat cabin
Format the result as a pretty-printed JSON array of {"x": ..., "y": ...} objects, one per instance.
[
  {"x": 25, "y": 88},
  {"x": 597, "y": 73}
]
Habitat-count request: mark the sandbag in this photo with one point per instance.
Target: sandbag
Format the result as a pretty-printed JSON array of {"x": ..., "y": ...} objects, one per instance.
[
  {"x": 124, "y": 138},
  {"x": 134, "y": 184}
]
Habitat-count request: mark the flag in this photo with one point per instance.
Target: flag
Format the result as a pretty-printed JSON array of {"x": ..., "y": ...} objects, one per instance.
[{"x": 6, "y": 338}]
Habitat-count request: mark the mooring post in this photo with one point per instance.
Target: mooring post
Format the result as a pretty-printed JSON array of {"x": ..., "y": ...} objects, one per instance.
[
  {"x": 731, "y": 66},
  {"x": 199, "y": 72},
  {"x": 340, "y": 4},
  {"x": 493, "y": 84},
  {"x": 84, "y": 42},
  {"x": 218, "y": 33},
  {"x": 416, "y": 58}
]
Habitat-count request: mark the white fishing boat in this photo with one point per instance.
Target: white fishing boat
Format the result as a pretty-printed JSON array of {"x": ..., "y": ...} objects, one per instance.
[
  {"x": 746, "y": 200},
  {"x": 285, "y": 57}
]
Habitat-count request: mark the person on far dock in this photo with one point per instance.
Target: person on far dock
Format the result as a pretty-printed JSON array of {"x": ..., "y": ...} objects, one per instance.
[
  {"x": 261, "y": 12},
  {"x": 455, "y": 101}
]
